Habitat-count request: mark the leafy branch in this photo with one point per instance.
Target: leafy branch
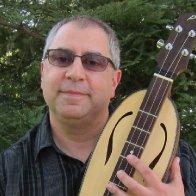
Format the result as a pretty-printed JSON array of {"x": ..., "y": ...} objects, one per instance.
[{"x": 22, "y": 29}]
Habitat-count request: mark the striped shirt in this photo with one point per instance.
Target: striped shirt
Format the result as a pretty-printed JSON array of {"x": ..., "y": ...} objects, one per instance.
[{"x": 34, "y": 166}]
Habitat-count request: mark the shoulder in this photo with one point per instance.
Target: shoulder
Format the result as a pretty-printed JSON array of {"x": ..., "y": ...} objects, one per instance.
[
  {"x": 29, "y": 144},
  {"x": 188, "y": 167},
  {"x": 13, "y": 159},
  {"x": 186, "y": 153},
  {"x": 14, "y": 153}
]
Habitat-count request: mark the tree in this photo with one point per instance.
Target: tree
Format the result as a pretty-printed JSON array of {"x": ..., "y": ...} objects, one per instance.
[{"x": 138, "y": 23}]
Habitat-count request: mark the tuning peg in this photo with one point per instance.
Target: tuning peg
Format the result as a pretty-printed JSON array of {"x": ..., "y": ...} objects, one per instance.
[
  {"x": 160, "y": 43},
  {"x": 178, "y": 29},
  {"x": 169, "y": 27},
  {"x": 185, "y": 52},
  {"x": 192, "y": 33},
  {"x": 168, "y": 46},
  {"x": 193, "y": 56}
]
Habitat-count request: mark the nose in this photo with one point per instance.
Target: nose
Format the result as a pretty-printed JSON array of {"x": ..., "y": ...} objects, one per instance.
[{"x": 75, "y": 71}]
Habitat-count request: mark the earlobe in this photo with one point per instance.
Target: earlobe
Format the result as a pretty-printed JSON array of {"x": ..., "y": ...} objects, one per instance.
[
  {"x": 41, "y": 72},
  {"x": 117, "y": 77},
  {"x": 116, "y": 80}
]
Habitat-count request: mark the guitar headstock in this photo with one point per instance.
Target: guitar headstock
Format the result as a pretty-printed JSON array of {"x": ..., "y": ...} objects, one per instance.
[{"x": 174, "y": 56}]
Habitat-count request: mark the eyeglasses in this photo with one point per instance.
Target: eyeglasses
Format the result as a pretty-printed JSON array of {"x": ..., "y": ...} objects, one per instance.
[{"x": 90, "y": 61}]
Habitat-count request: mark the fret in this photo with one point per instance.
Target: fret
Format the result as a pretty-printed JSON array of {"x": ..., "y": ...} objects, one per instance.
[
  {"x": 135, "y": 127},
  {"x": 137, "y": 137},
  {"x": 131, "y": 148},
  {"x": 155, "y": 95},
  {"x": 123, "y": 157},
  {"x": 135, "y": 145},
  {"x": 163, "y": 77},
  {"x": 121, "y": 187},
  {"x": 148, "y": 113},
  {"x": 143, "y": 121},
  {"x": 126, "y": 167}
]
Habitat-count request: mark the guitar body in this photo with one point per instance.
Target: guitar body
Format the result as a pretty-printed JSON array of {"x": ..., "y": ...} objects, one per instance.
[{"x": 159, "y": 149}]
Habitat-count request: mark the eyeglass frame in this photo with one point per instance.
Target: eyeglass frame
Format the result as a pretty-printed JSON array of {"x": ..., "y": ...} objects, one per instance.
[{"x": 74, "y": 55}]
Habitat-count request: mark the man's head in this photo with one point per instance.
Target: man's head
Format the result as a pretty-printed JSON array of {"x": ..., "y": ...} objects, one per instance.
[
  {"x": 80, "y": 69},
  {"x": 85, "y": 21}
]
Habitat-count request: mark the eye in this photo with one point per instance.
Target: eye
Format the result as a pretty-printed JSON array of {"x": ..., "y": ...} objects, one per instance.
[
  {"x": 58, "y": 60},
  {"x": 91, "y": 60},
  {"x": 62, "y": 59}
]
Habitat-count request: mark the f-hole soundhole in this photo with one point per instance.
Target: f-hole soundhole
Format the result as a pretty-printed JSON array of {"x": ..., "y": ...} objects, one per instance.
[{"x": 110, "y": 143}]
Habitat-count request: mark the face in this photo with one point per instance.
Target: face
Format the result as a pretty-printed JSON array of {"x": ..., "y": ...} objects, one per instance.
[{"x": 73, "y": 92}]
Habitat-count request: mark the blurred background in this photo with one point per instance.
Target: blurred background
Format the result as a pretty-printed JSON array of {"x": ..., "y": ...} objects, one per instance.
[{"x": 139, "y": 24}]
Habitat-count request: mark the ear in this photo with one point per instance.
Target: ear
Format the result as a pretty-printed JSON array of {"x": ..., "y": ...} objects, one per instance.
[
  {"x": 42, "y": 69},
  {"x": 41, "y": 72},
  {"x": 116, "y": 80}
]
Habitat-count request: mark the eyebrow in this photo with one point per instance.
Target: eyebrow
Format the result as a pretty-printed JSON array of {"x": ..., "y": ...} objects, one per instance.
[
  {"x": 87, "y": 52},
  {"x": 91, "y": 52}
]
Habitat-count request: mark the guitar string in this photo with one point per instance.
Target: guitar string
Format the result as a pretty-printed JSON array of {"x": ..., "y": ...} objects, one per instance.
[
  {"x": 168, "y": 82},
  {"x": 134, "y": 130},
  {"x": 171, "y": 76},
  {"x": 168, "y": 70},
  {"x": 137, "y": 139},
  {"x": 137, "y": 126},
  {"x": 133, "y": 148},
  {"x": 144, "y": 123},
  {"x": 155, "y": 97}
]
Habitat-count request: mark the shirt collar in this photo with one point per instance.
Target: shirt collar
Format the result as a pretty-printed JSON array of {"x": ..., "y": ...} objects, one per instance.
[{"x": 44, "y": 137}]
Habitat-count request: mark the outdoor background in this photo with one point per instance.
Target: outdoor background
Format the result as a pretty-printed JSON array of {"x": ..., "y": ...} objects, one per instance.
[{"x": 139, "y": 25}]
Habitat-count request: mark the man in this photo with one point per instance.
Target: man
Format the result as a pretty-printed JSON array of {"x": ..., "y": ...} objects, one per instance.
[{"x": 79, "y": 75}]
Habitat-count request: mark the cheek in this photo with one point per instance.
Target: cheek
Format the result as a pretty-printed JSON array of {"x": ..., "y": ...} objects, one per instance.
[
  {"x": 51, "y": 76},
  {"x": 104, "y": 87},
  {"x": 50, "y": 82}
]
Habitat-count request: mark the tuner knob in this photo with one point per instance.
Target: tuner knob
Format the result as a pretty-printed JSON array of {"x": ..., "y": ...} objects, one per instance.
[
  {"x": 169, "y": 27},
  {"x": 178, "y": 29},
  {"x": 185, "y": 52},
  {"x": 193, "y": 56},
  {"x": 192, "y": 33},
  {"x": 160, "y": 43},
  {"x": 168, "y": 46}
]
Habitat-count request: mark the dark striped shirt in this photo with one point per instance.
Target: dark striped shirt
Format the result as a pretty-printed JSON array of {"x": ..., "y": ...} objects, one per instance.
[{"x": 34, "y": 166}]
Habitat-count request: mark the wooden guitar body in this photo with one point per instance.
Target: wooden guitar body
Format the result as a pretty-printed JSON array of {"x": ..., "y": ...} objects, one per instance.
[{"x": 162, "y": 141}]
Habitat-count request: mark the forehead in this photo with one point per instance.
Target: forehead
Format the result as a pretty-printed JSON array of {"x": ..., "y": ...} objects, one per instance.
[{"x": 80, "y": 38}]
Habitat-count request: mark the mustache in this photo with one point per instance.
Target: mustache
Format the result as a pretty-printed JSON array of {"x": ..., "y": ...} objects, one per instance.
[{"x": 74, "y": 87}]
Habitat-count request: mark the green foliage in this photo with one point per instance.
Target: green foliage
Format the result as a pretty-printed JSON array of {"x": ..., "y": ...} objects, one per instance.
[{"x": 138, "y": 23}]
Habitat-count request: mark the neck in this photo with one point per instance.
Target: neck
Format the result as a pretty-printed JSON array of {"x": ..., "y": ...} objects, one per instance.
[{"x": 77, "y": 137}]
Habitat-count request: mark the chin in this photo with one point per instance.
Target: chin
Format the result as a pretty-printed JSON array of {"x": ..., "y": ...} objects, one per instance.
[{"x": 72, "y": 114}]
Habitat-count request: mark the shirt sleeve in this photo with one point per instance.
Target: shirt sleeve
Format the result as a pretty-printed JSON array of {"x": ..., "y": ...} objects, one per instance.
[{"x": 188, "y": 167}]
